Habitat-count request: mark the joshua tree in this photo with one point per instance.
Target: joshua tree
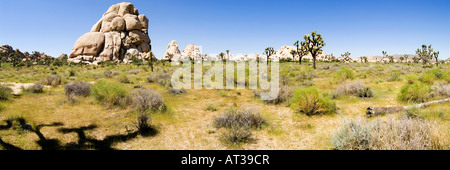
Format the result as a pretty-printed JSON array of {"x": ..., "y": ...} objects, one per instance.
[
  {"x": 150, "y": 60},
  {"x": 293, "y": 53},
  {"x": 269, "y": 52},
  {"x": 415, "y": 59},
  {"x": 169, "y": 57},
  {"x": 391, "y": 58},
  {"x": 436, "y": 55},
  {"x": 301, "y": 51},
  {"x": 406, "y": 57},
  {"x": 365, "y": 59},
  {"x": 222, "y": 56},
  {"x": 425, "y": 54},
  {"x": 384, "y": 55},
  {"x": 401, "y": 59},
  {"x": 228, "y": 53},
  {"x": 313, "y": 44},
  {"x": 345, "y": 57}
]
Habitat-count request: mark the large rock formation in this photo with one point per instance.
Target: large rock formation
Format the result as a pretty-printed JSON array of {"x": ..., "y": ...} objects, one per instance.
[
  {"x": 192, "y": 52},
  {"x": 172, "y": 49},
  {"x": 120, "y": 34}
]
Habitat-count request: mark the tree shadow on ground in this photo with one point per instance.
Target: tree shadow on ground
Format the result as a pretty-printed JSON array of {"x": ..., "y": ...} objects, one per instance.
[{"x": 83, "y": 141}]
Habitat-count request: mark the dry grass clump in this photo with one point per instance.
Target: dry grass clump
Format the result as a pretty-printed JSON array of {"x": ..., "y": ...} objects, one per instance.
[
  {"x": 51, "y": 80},
  {"x": 357, "y": 88},
  {"x": 284, "y": 95},
  {"x": 135, "y": 71},
  {"x": 144, "y": 100},
  {"x": 163, "y": 79},
  {"x": 441, "y": 89},
  {"x": 35, "y": 88},
  {"x": 5, "y": 92},
  {"x": 239, "y": 123},
  {"x": 405, "y": 133},
  {"x": 79, "y": 88},
  {"x": 243, "y": 117},
  {"x": 108, "y": 74}
]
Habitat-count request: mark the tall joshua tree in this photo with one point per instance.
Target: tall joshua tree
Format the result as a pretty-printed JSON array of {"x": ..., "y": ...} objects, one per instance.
[
  {"x": 221, "y": 56},
  {"x": 228, "y": 54},
  {"x": 313, "y": 44},
  {"x": 150, "y": 61},
  {"x": 436, "y": 55},
  {"x": 293, "y": 53},
  {"x": 345, "y": 57},
  {"x": 384, "y": 55},
  {"x": 425, "y": 54},
  {"x": 269, "y": 52},
  {"x": 301, "y": 51},
  {"x": 406, "y": 58}
]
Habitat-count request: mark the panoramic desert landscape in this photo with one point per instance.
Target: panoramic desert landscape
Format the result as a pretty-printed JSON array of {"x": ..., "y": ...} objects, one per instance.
[{"x": 113, "y": 93}]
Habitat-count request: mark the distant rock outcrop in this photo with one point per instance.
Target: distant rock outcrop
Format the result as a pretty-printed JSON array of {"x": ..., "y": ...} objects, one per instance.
[
  {"x": 193, "y": 52},
  {"x": 172, "y": 49},
  {"x": 119, "y": 35}
]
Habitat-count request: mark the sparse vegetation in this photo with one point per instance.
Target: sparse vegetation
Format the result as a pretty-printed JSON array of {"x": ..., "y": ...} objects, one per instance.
[{"x": 406, "y": 133}]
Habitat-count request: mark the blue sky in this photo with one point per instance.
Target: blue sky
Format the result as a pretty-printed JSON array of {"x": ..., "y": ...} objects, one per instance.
[{"x": 363, "y": 27}]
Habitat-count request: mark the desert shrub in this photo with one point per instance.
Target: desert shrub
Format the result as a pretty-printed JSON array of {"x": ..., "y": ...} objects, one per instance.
[
  {"x": 108, "y": 74},
  {"x": 163, "y": 79},
  {"x": 308, "y": 101},
  {"x": 177, "y": 91},
  {"x": 72, "y": 72},
  {"x": 405, "y": 133},
  {"x": 394, "y": 76},
  {"x": 432, "y": 75},
  {"x": 441, "y": 89},
  {"x": 343, "y": 74},
  {"x": 284, "y": 95},
  {"x": 143, "y": 123},
  {"x": 240, "y": 118},
  {"x": 306, "y": 74},
  {"x": 416, "y": 92},
  {"x": 411, "y": 78},
  {"x": 237, "y": 135},
  {"x": 358, "y": 89},
  {"x": 135, "y": 71},
  {"x": 124, "y": 79},
  {"x": 5, "y": 92},
  {"x": 211, "y": 107},
  {"x": 35, "y": 88},
  {"x": 79, "y": 88},
  {"x": 145, "y": 99},
  {"x": 109, "y": 94},
  {"x": 51, "y": 80}
]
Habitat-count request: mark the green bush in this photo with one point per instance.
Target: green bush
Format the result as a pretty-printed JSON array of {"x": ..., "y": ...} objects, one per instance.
[
  {"x": 241, "y": 118},
  {"x": 308, "y": 101},
  {"x": 432, "y": 75},
  {"x": 415, "y": 92},
  {"x": 343, "y": 74},
  {"x": 110, "y": 94},
  {"x": 5, "y": 92},
  {"x": 411, "y": 78}
]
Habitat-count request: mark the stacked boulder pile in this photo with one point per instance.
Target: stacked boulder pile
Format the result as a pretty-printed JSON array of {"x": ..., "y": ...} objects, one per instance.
[{"x": 118, "y": 36}]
